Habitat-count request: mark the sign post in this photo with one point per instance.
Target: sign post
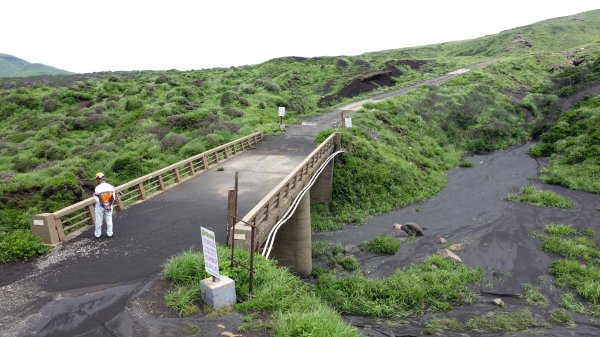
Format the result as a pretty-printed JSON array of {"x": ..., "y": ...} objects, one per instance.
[
  {"x": 209, "y": 249},
  {"x": 281, "y": 114},
  {"x": 217, "y": 291},
  {"x": 348, "y": 122}
]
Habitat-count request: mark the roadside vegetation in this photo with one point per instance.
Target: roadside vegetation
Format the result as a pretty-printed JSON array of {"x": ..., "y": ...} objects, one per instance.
[
  {"x": 579, "y": 268},
  {"x": 536, "y": 197},
  {"x": 293, "y": 309}
]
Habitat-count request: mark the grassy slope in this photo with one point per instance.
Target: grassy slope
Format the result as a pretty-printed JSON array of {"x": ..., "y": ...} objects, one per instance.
[{"x": 553, "y": 35}]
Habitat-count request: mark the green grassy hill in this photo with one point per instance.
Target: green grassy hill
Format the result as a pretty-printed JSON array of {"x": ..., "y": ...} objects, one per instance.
[
  {"x": 548, "y": 36},
  {"x": 11, "y": 66},
  {"x": 56, "y": 132}
]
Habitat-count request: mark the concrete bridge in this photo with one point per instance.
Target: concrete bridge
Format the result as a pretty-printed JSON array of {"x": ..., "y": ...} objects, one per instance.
[{"x": 259, "y": 172}]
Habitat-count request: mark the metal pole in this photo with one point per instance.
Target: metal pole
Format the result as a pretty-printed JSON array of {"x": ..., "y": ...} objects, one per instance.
[
  {"x": 251, "y": 259},
  {"x": 236, "y": 193}
]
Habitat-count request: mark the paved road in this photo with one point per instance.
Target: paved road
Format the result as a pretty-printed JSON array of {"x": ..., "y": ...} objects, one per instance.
[{"x": 84, "y": 286}]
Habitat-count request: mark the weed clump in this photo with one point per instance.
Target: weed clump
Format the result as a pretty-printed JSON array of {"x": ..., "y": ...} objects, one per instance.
[
  {"x": 502, "y": 322},
  {"x": 533, "y": 295},
  {"x": 384, "y": 245},
  {"x": 539, "y": 198}
]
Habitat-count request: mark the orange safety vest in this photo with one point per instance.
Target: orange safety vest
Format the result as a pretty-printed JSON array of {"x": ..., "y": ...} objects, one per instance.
[{"x": 106, "y": 198}]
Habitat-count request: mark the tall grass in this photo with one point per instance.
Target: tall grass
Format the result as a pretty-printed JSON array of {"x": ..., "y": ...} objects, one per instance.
[
  {"x": 579, "y": 271},
  {"x": 433, "y": 285},
  {"x": 294, "y": 309}
]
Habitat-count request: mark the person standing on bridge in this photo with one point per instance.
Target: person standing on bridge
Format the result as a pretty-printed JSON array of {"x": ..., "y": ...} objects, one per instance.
[{"x": 104, "y": 194}]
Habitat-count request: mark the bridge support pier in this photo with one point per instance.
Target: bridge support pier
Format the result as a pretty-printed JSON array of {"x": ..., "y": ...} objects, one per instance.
[
  {"x": 322, "y": 190},
  {"x": 293, "y": 246}
]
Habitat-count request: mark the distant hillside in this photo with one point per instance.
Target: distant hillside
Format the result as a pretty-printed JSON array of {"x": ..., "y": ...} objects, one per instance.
[
  {"x": 553, "y": 35},
  {"x": 11, "y": 66}
]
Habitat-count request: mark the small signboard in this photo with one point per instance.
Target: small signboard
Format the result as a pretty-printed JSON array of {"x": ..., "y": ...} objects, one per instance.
[
  {"x": 348, "y": 122},
  {"x": 209, "y": 249},
  {"x": 309, "y": 123},
  {"x": 281, "y": 111}
]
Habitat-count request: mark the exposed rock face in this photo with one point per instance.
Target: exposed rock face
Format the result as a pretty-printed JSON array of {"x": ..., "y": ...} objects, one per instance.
[
  {"x": 442, "y": 240},
  {"x": 412, "y": 229},
  {"x": 445, "y": 253}
]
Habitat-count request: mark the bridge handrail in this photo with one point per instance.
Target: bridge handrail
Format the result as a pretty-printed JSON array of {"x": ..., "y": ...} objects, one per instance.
[
  {"x": 269, "y": 208},
  {"x": 74, "y": 216}
]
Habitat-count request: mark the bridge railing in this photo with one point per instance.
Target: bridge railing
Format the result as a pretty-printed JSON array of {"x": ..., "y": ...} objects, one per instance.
[
  {"x": 266, "y": 213},
  {"x": 52, "y": 227}
]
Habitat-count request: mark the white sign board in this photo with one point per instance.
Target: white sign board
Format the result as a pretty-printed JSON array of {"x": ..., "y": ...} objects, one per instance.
[
  {"x": 209, "y": 249},
  {"x": 348, "y": 122},
  {"x": 281, "y": 111}
]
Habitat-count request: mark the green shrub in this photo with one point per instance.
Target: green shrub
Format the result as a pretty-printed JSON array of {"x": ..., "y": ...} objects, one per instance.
[
  {"x": 19, "y": 245},
  {"x": 50, "y": 105},
  {"x": 60, "y": 191},
  {"x": 25, "y": 164},
  {"x": 268, "y": 84},
  {"x": 133, "y": 104},
  {"x": 173, "y": 142},
  {"x": 465, "y": 163},
  {"x": 383, "y": 245},
  {"x": 127, "y": 167}
]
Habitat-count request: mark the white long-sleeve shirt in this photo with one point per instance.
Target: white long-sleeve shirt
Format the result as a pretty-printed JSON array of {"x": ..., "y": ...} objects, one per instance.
[{"x": 105, "y": 194}]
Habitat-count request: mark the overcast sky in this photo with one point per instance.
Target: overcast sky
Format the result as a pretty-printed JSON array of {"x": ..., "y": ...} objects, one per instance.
[{"x": 92, "y": 35}]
